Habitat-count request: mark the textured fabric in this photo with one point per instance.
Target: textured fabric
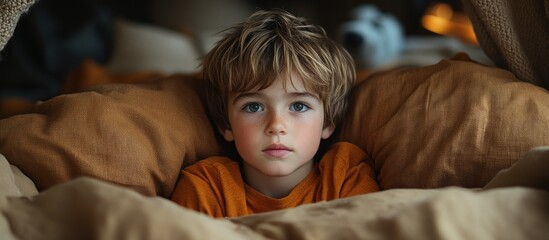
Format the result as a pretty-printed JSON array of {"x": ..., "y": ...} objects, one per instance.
[
  {"x": 86, "y": 208},
  {"x": 89, "y": 209},
  {"x": 10, "y": 11},
  {"x": 453, "y": 123},
  {"x": 214, "y": 186},
  {"x": 515, "y": 35},
  {"x": 136, "y": 135}
]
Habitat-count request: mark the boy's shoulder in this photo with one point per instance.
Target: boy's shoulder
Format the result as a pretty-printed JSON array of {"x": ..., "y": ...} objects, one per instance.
[
  {"x": 344, "y": 153},
  {"x": 346, "y": 146},
  {"x": 214, "y": 163}
]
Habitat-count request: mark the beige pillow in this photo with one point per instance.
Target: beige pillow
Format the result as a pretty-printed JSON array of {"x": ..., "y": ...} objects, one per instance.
[
  {"x": 144, "y": 47},
  {"x": 453, "y": 123},
  {"x": 133, "y": 135}
]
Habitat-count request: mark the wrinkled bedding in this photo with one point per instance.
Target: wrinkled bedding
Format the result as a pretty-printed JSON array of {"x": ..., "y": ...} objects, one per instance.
[
  {"x": 514, "y": 205},
  {"x": 103, "y": 162},
  {"x": 61, "y": 179}
]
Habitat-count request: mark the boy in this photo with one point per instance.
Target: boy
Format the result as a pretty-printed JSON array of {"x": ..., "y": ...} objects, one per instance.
[{"x": 277, "y": 85}]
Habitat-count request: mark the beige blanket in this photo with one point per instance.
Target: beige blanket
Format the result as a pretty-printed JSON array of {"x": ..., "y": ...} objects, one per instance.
[{"x": 515, "y": 205}]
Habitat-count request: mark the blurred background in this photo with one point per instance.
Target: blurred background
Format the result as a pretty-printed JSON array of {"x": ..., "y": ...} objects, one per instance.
[{"x": 169, "y": 36}]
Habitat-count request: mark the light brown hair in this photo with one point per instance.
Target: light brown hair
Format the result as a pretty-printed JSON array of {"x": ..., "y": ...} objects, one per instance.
[{"x": 252, "y": 54}]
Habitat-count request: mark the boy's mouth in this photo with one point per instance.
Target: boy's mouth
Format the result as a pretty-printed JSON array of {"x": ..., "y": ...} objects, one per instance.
[{"x": 277, "y": 150}]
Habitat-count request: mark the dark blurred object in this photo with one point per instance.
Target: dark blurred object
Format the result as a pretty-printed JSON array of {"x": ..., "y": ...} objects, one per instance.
[
  {"x": 54, "y": 37},
  {"x": 14, "y": 106},
  {"x": 331, "y": 14}
]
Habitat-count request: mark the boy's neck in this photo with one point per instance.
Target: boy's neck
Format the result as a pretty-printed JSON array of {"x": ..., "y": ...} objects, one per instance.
[{"x": 275, "y": 186}]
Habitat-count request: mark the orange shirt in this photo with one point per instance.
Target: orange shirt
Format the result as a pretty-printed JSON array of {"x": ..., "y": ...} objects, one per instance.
[{"x": 215, "y": 186}]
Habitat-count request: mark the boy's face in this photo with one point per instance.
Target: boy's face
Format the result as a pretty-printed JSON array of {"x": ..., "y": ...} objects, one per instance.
[{"x": 276, "y": 131}]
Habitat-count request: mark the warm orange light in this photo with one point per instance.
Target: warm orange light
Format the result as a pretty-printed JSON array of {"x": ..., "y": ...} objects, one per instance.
[
  {"x": 441, "y": 18},
  {"x": 442, "y": 10}
]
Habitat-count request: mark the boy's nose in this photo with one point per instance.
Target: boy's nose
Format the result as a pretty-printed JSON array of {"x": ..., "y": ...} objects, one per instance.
[{"x": 276, "y": 125}]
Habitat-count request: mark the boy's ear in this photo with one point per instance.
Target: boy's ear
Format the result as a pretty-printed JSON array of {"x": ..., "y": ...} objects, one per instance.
[
  {"x": 227, "y": 133},
  {"x": 327, "y": 131}
]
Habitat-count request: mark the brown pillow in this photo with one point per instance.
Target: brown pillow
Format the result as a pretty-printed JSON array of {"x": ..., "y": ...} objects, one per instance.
[
  {"x": 453, "y": 123},
  {"x": 137, "y": 135}
]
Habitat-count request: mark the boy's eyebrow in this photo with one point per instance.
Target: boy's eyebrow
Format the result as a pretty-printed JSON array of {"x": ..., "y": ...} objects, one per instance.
[
  {"x": 292, "y": 94},
  {"x": 244, "y": 95},
  {"x": 305, "y": 94}
]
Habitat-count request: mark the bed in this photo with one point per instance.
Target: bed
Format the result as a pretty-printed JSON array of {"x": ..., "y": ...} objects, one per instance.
[{"x": 460, "y": 149}]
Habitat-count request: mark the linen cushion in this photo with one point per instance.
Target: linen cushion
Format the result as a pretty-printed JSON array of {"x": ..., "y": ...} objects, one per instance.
[
  {"x": 453, "y": 123},
  {"x": 136, "y": 135}
]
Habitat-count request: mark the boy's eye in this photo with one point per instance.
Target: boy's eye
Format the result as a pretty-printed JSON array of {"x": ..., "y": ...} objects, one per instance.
[
  {"x": 253, "y": 107},
  {"x": 299, "y": 107}
]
